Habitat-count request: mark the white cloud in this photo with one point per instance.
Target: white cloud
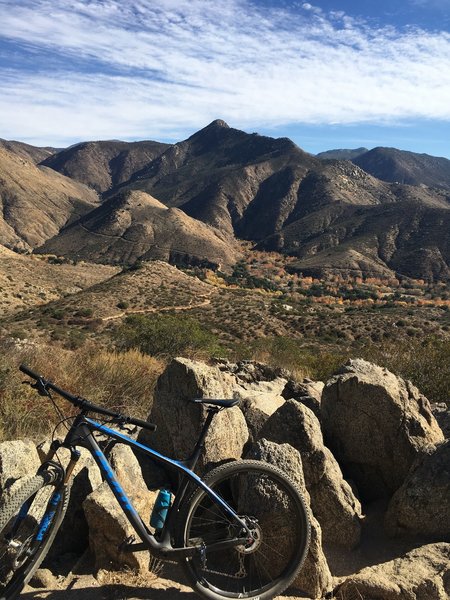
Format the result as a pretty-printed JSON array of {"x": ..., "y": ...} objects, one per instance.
[{"x": 164, "y": 67}]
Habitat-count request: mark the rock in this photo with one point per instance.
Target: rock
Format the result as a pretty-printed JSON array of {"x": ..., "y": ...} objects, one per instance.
[
  {"x": 441, "y": 413},
  {"x": 247, "y": 372},
  {"x": 86, "y": 478},
  {"x": 126, "y": 466},
  {"x": 421, "y": 506},
  {"x": 18, "y": 458},
  {"x": 258, "y": 387},
  {"x": 44, "y": 578},
  {"x": 180, "y": 421},
  {"x": 332, "y": 499},
  {"x": 314, "y": 578},
  {"x": 376, "y": 424},
  {"x": 108, "y": 526},
  {"x": 307, "y": 392},
  {"x": 422, "y": 574}
]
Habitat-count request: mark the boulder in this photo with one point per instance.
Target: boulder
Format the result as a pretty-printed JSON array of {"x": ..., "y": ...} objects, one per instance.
[
  {"x": 18, "y": 458},
  {"x": 376, "y": 424},
  {"x": 332, "y": 499},
  {"x": 314, "y": 579},
  {"x": 421, "y": 506},
  {"x": 86, "y": 478},
  {"x": 441, "y": 412},
  {"x": 108, "y": 526},
  {"x": 307, "y": 392},
  {"x": 258, "y": 387},
  {"x": 180, "y": 421},
  {"x": 422, "y": 574}
]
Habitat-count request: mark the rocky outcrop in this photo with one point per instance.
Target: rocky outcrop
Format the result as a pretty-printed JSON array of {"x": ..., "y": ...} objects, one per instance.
[
  {"x": 108, "y": 526},
  {"x": 180, "y": 421},
  {"x": 18, "y": 458},
  {"x": 422, "y": 574},
  {"x": 314, "y": 578},
  {"x": 332, "y": 499},
  {"x": 421, "y": 506},
  {"x": 441, "y": 412},
  {"x": 376, "y": 424},
  {"x": 307, "y": 392}
]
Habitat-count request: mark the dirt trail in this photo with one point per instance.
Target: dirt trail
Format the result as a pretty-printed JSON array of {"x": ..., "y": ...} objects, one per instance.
[{"x": 143, "y": 311}]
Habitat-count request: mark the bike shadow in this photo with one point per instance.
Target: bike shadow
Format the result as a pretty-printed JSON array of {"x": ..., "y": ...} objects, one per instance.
[{"x": 111, "y": 592}]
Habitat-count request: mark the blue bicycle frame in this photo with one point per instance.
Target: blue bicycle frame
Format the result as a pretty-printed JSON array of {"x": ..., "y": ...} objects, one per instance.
[{"x": 81, "y": 433}]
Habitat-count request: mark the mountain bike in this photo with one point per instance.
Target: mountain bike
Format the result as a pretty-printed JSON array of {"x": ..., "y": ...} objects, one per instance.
[{"x": 240, "y": 531}]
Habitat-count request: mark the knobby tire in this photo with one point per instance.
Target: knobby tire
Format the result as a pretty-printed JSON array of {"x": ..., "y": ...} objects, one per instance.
[
  {"x": 16, "y": 567},
  {"x": 268, "y": 498}
]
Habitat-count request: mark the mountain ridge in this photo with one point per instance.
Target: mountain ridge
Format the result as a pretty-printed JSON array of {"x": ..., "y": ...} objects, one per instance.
[{"x": 222, "y": 183}]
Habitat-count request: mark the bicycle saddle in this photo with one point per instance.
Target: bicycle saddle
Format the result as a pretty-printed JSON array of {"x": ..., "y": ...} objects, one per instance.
[{"x": 223, "y": 403}]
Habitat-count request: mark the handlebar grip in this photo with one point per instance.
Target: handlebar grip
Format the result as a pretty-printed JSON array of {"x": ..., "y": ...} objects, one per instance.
[
  {"x": 29, "y": 372},
  {"x": 141, "y": 423}
]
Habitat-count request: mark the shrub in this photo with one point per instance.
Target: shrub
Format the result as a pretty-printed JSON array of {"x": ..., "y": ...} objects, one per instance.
[
  {"x": 290, "y": 354},
  {"x": 168, "y": 336},
  {"x": 424, "y": 361}
]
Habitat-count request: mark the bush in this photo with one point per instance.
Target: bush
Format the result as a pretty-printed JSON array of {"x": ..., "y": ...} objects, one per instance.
[
  {"x": 424, "y": 362},
  {"x": 290, "y": 354},
  {"x": 168, "y": 336}
]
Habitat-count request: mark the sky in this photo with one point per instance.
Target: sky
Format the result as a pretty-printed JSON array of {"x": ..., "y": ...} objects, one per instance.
[{"x": 327, "y": 74}]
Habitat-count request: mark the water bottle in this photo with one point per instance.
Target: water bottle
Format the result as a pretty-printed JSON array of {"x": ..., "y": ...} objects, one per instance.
[{"x": 159, "y": 512}]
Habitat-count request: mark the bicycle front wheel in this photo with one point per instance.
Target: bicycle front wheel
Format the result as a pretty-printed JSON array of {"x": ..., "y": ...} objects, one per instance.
[
  {"x": 34, "y": 510},
  {"x": 275, "y": 511}
]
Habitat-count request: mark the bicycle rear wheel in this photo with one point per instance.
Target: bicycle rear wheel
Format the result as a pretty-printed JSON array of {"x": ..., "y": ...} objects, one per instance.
[
  {"x": 275, "y": 511},
  {"x": 22, "y": 515}
]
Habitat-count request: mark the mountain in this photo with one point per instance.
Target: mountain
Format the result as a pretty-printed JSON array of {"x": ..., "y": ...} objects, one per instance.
[
  {"x": 348, "y": 222},
  {"x": 103, "y": 165},
  {"x": 33, "y": 153},
  {"x": 390, "y": 164},
  {"x": 220, "y": 173},
  {"x": 190, "y": 202},
  {"x": 342, "y": 154},
  {"x": 133, "y": 225},
  {"x": 36, "y": 202}
]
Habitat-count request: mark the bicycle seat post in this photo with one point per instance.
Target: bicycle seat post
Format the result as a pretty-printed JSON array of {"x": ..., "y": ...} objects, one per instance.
[{"x": 192, "y": 461}]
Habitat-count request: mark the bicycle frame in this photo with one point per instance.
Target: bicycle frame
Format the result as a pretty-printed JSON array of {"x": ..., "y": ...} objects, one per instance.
[{"x": 81, "y": 433}]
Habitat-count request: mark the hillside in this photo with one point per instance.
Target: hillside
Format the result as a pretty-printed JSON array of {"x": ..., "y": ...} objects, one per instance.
[
  {"x": 390, "y": 164},
  {"x": 27, "y": 281},
  {"x": 104, "y": 165},
  {"x": 36, "y": 202},
  {"x": 134, "y": 225}
]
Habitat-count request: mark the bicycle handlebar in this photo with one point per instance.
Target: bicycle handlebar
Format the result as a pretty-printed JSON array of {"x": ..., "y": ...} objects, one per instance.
[{"x": 85, "y": 405}]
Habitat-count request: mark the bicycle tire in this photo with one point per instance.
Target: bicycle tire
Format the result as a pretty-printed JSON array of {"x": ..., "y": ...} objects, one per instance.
[
  {"x": 16, "y": 567},
  {"x": 270, "y": 564}
]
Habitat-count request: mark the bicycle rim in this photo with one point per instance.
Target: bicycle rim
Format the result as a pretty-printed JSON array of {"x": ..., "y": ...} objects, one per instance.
[
  {"x": 272, "y": 507},
  {"x": 20, "y": 520}
]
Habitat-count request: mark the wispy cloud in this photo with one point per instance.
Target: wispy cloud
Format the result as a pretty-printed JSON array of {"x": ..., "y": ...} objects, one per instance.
[{"x": 159, "y": 68}]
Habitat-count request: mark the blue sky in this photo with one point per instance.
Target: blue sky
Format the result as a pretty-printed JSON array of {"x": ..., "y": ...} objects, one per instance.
[{"x": 327, "y": 74}]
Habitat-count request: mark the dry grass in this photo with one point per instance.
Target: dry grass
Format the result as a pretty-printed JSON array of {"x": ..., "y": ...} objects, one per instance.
[
  {"x": 122, "y": 381},
  {"x": 130, "y": 578}
]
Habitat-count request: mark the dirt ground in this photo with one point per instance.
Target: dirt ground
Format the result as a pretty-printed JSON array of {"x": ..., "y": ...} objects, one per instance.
[{"x": 169, "y": 584}]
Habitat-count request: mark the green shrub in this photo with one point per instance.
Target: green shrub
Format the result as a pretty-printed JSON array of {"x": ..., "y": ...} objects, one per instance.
[{"x": 168, "y": 335}]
